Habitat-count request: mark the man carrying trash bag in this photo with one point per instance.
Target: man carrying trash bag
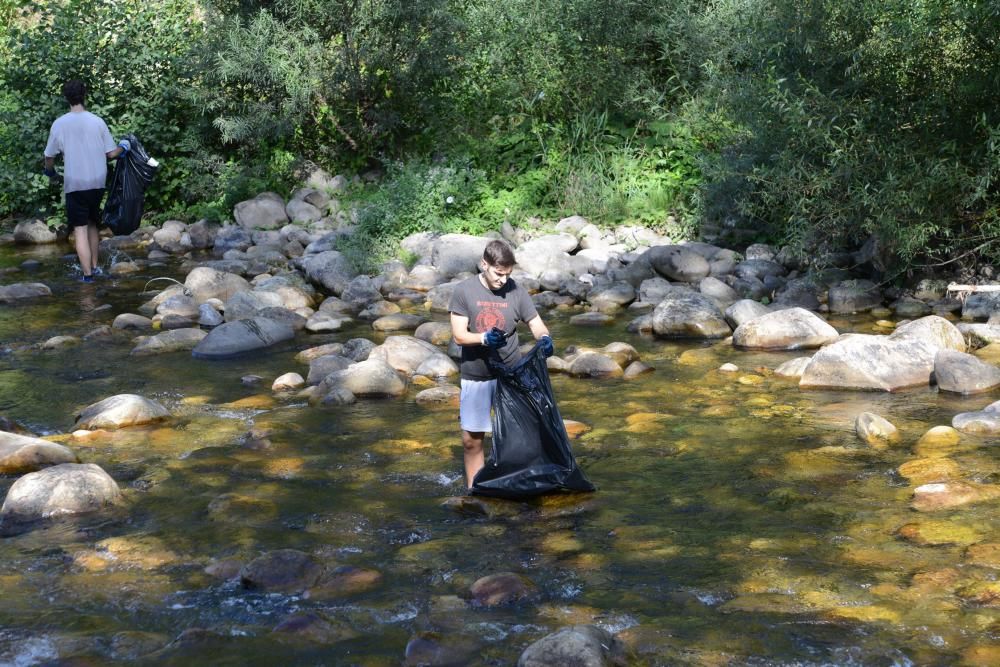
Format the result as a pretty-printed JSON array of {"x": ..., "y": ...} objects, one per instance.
[
  {"x": 529, "y": 454},
  {"x": 86, "y": 144}
]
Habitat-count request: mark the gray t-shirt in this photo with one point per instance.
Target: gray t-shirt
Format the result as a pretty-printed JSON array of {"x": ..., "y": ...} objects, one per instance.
[
  {"x": 84, "y": 140},
  {"x": 486, "y": 309}
]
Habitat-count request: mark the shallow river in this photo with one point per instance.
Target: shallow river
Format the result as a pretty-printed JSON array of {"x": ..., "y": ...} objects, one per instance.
[{"x": 738, "y": 519}]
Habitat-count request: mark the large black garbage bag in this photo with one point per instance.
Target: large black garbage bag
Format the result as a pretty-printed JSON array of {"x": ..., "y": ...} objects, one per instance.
[
  {"x": 133, "y": 174},
  {"x": 531, "y": 452}
]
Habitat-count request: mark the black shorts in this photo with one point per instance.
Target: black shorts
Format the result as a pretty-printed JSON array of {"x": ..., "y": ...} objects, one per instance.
[{"x": 83, "y": 207}]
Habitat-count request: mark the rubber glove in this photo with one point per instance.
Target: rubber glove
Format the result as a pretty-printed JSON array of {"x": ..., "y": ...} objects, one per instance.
[
  {"x": 494, "y": 338},
  {"x": 548, "y": 348},
  {"x": 125, "y": 145}
]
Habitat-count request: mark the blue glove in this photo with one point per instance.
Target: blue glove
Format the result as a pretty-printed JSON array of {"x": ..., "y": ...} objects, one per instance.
[
  {"x": 548, "y": 349},
  {"x": 494, "y": 338},
  {"x": 125, "y": 145},
  {"x": 53, "y": 175}
]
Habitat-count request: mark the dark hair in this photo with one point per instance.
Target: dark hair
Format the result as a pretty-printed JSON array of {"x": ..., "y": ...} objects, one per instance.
[
  {"x": 74, "y": 91},
  {"x": 498, "y": 253}
]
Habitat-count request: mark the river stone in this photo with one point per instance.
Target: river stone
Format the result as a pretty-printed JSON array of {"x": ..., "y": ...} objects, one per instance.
[
  {"x": 652, "y": 290},
  {"x": 499, "y": 589},
  {"x": 120, "y": 411},
  {"x": 678, "y": 263},
  {"x": 344, "y": 581},
  {"x": 437, "y": 366},
  {"x": 19, "y": 291},
  {"x": 320, "y": 321},
  {"x": 283, "y": 315},
  {"x": 594, "y": 365},
  {"x": 65, "y": 489},
  {"x": 336, "y": 396},
  {"x": 984, "y": 422},
  {"x": 20, "y": 454},
  {"x": 119, "y": 269},
  {"x": 435, "y": 333},
  {"x": 793, "y": 368},
  {"x": 442, "y": 396},
  {"x": 204, "y": 283},
  {"x": 423, "y": 278},
  {"x": 592, "y": 319},
  {"x": 458, "y": 253},
  {"x": 684, "y": 313},
  {"x": 933, "y": 330},
  {"x": 875, "y": 430},
  {"x": 979, "y": 334},
  {"x": 442, "y": 650},
  {"x": 635, "y": 369},
  {"x": 852, "y": 296},
  {"x": 370, "y": 378},
  {"x": 358, "y": 348},
  {"x": 233, "y": 338},
  {"x": 398, "y": 322},
  {"x": 789, "y": 329},
  {"x": 980, "y": 305},
  {"x": 576, "y": 646},
  {"x": 623, "y": 353},
  {"x": 758, "y": 270},
  {"x": 246, "y": 305},
  {"x": 909, "y": 307},
  {"x": 265, "y": 211},
  {"x": 330, "y": 270},
  {"x": 403, "y": 353},
  {"x": 168, "y": 341},
  {"x": 307, "y": 355},
  {"x": 58, "y": 342},
  {"x": 380, "y": 308},
  {"x": 536, "y": 256},
  {"x": 281, "y": 571},
  {"x": 744, "y": 310},
  {"x": 439, "y": 297},
  {"x": 617, "y": 295},
  {"x": 34, "y": 231},
  {"x": 168, "y": 322},
  {"x": 939, "y": 533},
  {"x": 320, "y": 367},
  {"x": 314, "y": 627},
  {"x": 288, "y": 382},
  {"x": 209, "y": 316},
  {"x": 951, "y": 494},
  {"x": 963, "y": 373},
  {"x": 929, "y": 470},
  {"x": 178, "y": 304}
]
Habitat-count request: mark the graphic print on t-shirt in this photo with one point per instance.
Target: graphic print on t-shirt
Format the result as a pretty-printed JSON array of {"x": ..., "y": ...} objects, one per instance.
[{"x": 490, "y": 315}]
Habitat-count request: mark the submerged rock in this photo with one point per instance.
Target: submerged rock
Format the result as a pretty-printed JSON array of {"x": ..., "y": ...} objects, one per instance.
[
  {"x": 282, "y": 571},
  {"x": 169, "y": 341},
  {"x": 234, "y": 338},
  {"x": 18, "y": 291},
  {"x": 20, "y": 454},
  {"x": 577, "y": 645},
  {"x": 984, "y": 422},
  {"x": 948, "y": 495},
  {"x": 499, "y": 589},
  {"x": 875, "y": 430},
  {"x": 62, "y": 490},
  {"x": 119, "y": 411}
]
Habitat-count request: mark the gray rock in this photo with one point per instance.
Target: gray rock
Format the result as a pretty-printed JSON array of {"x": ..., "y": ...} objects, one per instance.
[
  {"x": 439, "y": 297},
  {"x": 320, "y": 367},
  {"x": 358, "y": 349},
  {"x": 758, "y": 269},
  {"x": 854, "y": 296},
  {"x": 875, "y": 429},
  {"x": 641, "y": 325},
  {"x": 909, "y": 307},
  {"x": 131, "y": 321},
  {"x": 301, "y": 211},
  {"x": 684, "y": 313},
  {"x": 437, "y": 366},
  {"x": 180, "y": 305},
  {"x": 361, "y": 291},
  {"x": 801, "y": 292},
  {"x": 983, "y": 422},
  {"x": 168, "y": 341},
  {"x": 576, "y": 646},
  {"x": 652, "y": 290},
  {"x": 285, "y": 316},
  {"x": 722, "y": 294},
  {"x": 18, "y": 291},
  {"x": 338, "y": 396},
  {"x": 963, "y": 373},
  {"x": 744, "y": 310},
  {"x": 761, "y": 251},
  {"x": 35, "y": 232},
  {"x": 423, "y": 278},
  {"x": 119, "y": 411},
  {"x": 980, "y": 305},
  {"x": 231, "y": 237},
  {"x": 549, "y": 252},
  {"x": 403, "y": 353},
  {"x": 398, "y": 322},
  {"x": 234, "y": 338},
  {"x": 444, "y": 395},
  {"x": 330, "y": 270},
  {"x": 281, "y": 571},
  {"x": 319, "y": 322},
  {"x": 204, "y": 283},
  {"x": 208, "y": 316},
  {"x": 789, "y": 329},
  {"x": 370, "y": 378},
  {"x": 617, "y": 295},
  {"x": 435, "y": 333},
  {"x": 202, "y": 234},
  {"x": 265, "y": 211},
  {"x": 679, "y": 263},
  {"x": 933, "y": 330},
  {"x": 979, "y": 334},
  {"x": 21, "y": 453},
  {"x": 453, "y": 254},
  {"x": 62, "y": 490},
  {"x": 592, "y": 319},
  {"x": 793, "y": 368},
  {"x": 245, "y": 305},
  {"x": 593, "y": 365}
]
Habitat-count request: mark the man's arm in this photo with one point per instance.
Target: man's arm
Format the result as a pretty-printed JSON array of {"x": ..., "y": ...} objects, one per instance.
[
  {"x": 460, "y": 331},
  {"x": 538, "y": 328},
  {"x": 50, "y": 163}
]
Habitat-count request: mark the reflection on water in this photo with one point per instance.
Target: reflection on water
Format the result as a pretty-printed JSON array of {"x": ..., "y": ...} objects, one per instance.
[{"x": 738, "y": 520}]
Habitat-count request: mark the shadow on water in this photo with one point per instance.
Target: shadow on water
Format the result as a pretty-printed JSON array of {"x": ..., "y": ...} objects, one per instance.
[{"x": 738, "y": 520}]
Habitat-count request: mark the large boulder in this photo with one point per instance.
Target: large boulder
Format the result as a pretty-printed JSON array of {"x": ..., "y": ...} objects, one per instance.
[
  {"x": 204, "y": 283},
  {"x": 265, "y": 211},
  {"x": 982, "y": 422},
  {"x": 246, "y": 305},
  {"x": 329, "y": 269},
  {"x": 235, "y": 338},
  {"x": 62, "y": 490},
  {"x": 169, "y": 341},
  {"x": 980, "y": 305},
  {"x": 684, "y": 313},
  {"x": 370, "y": 378},
  {"x": 403, "y": 353},
  {"x": 322, "y": 366},
  {"x": 576, "y": 646},
  {"x": 19, "y": 291},
  {"x": 538, "y": 255},
  {"x": 458, "y": 253},
  {"x": 744, "y": 310},
  {"x": 963, "y": 373},
  {"x": 933, "y": 330},
  {"x": 119, "y": 411},
  {"x": 21, "y": 453},
  {"x": 790, "y": 329},
  {"x": 34, "y": 231},
  {"x": 852, "y": 296},
  {"x": 680, "y": 263}
]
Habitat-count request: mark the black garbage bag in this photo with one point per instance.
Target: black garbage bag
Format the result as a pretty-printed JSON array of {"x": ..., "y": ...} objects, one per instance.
[
  {"x": 133, "y": 173},
  {"x": 531, "y": 452}
]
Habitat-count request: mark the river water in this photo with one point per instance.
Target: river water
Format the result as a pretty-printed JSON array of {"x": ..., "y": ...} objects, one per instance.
[{"x": 738, "y": 520}]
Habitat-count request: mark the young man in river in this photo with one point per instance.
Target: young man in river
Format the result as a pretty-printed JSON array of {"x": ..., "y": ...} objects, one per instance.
[
  {"x": 485, "y": 310},
  {"x": 86, "y": 145}
]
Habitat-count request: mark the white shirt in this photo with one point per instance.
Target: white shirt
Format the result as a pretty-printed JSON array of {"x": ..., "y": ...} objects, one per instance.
[{"x": 84, "y": 140}]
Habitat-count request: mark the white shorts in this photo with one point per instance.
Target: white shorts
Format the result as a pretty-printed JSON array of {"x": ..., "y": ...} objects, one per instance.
[{"x": 474, "y": 405}]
